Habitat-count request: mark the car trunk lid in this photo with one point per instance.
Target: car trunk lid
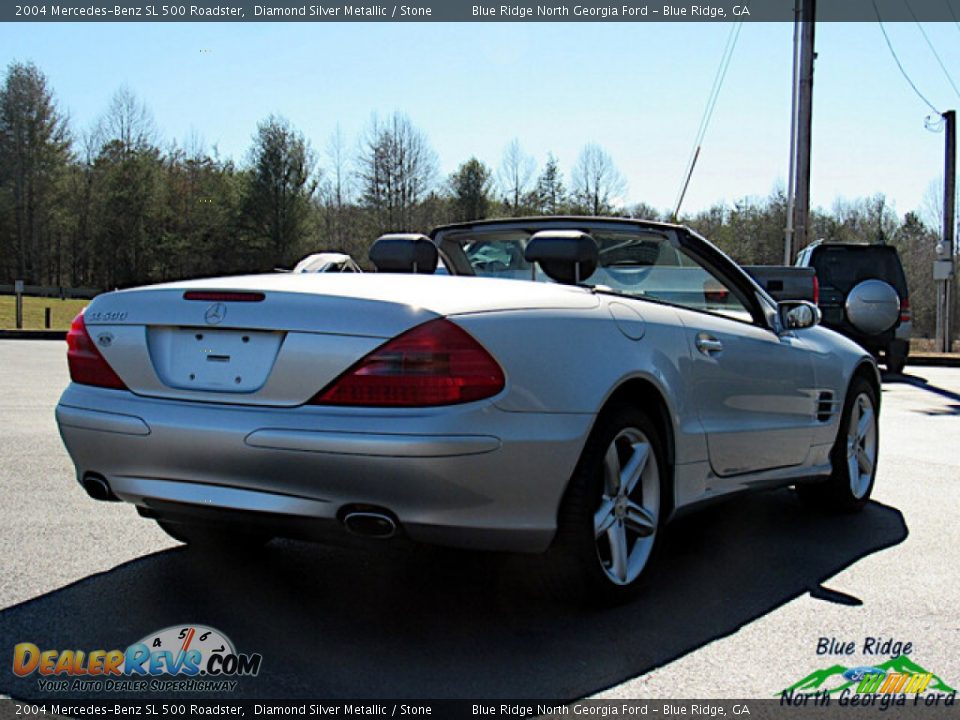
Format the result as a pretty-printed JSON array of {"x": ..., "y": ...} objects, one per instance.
[{"x": 280, "y": 339}]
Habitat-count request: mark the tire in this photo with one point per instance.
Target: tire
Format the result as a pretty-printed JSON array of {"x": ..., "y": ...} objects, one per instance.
[
  {"x": 214, "y": 539},
  {"x": 854, "y": 455},
  {"x": 895, "y": 363},
  {"x": 609, "y": 524},
  {"x": 895, "y": 357}
]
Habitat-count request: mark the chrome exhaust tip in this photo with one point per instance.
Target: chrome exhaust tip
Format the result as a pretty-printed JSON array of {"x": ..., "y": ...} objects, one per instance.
[
  {"x": 98, "y": 488},
  {"x": 370, "y": 524}
]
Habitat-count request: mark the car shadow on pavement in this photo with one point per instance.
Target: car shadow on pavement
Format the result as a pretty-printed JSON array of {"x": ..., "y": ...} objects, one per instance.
[
  {"x": 923, "y": 384},
  {"x": 346, "y": 623}
]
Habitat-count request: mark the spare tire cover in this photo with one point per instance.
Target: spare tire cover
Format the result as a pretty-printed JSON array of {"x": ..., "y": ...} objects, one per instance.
[{"x": 873, "y": 307}]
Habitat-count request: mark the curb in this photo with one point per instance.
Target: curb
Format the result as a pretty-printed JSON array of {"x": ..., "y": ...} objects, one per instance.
[
  {"x": 33, "y": 334},
  {"x": 934, "y": 360}
]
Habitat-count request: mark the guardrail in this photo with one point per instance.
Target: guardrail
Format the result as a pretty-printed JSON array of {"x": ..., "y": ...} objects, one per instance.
[{"x": 53, "y": 291}]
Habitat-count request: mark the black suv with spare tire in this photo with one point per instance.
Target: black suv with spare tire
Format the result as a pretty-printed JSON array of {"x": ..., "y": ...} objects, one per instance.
[{"x": 863, "y": 295}]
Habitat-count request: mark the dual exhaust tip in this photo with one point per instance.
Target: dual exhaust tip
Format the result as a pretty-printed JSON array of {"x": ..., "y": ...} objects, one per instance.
[{"x": 364, "y": 521}]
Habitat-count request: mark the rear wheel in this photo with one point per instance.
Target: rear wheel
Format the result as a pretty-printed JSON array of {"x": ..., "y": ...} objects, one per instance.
[
  {"x": 854, "y": 455},
  {"x": 609, "y": 520},
  {"x": 214, "y": 539}
]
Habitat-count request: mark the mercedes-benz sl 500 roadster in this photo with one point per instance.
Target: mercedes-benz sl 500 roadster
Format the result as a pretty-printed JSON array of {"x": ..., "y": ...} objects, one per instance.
[{"x": 561, "y": 385}]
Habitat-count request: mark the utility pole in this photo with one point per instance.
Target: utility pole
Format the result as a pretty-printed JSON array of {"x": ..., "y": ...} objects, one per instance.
[
  {"x": 943, "y": 269},
  {"x": 792, "y": 172},
  {"x": 801, "y": 208}
]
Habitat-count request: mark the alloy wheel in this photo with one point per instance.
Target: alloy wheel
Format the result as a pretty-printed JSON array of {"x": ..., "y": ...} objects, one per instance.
[
  {"x": 625, "y": 523},
  {"x": 861, "y": 445}
]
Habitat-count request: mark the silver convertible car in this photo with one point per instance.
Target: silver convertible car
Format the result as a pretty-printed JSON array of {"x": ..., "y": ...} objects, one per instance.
[{"x": 561, "y": 386}]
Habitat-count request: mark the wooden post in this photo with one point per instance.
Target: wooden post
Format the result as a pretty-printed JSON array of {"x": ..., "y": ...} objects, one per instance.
[
  {"x": 18, "y": 289},
  {"x": 947, "y": 251},
  {"x": 46, "y": 318},
  {"x": 801, "y": 209}
]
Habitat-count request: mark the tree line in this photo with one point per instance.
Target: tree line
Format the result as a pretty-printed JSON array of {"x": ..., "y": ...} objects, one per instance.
[{"x": 113, "y": 205}]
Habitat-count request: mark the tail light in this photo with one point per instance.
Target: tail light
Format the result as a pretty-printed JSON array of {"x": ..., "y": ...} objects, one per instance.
[
  {"x": 87, "y": 365},
  {"x": 436, "y": 363},
  {"x": 816, "y": 290},
  {"x": 905, "y": 315}
]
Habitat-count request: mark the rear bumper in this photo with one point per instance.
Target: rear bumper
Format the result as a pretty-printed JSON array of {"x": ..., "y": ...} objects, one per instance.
[{"x": 469, "y": 476}]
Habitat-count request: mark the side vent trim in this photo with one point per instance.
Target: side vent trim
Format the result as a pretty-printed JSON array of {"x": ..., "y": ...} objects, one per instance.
[{"x": 827, "y": 406}]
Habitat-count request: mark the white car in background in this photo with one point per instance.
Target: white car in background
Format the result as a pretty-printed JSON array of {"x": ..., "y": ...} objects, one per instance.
[{"x": 327, "y": 262}]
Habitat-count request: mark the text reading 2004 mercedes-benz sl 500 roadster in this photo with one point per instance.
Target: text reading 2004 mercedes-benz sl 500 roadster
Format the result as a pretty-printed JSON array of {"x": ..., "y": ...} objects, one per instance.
[{"x": 550, "y": 385}]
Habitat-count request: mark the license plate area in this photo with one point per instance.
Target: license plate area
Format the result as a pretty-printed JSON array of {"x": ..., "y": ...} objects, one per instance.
[{"x": 232, "y": 361}]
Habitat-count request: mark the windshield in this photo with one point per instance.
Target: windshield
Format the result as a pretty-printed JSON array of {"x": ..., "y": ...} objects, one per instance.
[{"x": 642, "y": 263}]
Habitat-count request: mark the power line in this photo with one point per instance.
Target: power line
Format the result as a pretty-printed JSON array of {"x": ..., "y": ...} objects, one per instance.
[
  {"x": 932, "y": 48},
  {"x": 712, "y": 98},
  {"x": 897, "y": 61}
]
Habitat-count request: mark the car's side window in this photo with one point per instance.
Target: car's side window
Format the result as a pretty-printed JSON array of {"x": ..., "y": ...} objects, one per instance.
[{"x": 651, "y": 266}]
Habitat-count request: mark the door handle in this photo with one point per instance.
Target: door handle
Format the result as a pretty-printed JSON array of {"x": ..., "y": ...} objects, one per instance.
[{"x": 708, "y": 344}]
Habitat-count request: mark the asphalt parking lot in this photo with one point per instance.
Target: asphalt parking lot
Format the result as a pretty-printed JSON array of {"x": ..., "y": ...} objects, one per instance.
[{"x": 736, "y": 606}]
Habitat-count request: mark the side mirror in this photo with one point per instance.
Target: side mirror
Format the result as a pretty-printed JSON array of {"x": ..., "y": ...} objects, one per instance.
[{"x": 798, "y": 314}]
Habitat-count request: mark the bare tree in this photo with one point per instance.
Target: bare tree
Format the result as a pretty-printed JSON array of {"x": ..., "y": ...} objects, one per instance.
[
  {"x": 597, "y": 184},
  {"x": 866, "y": 220},
  {"x": 127, "y": 176},
  {"x": 336, "y": 193},
  {"x": 127, "y": 121},
  {"x": 339, "y": 168},
  {"x": 515, "y": 175},
  {"x": 397, "y": 169},
  {"x": 931, "y": 205}
]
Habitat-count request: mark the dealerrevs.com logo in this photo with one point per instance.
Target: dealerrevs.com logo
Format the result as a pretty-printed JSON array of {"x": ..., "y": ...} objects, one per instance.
[{"x": 178, "y": 658}]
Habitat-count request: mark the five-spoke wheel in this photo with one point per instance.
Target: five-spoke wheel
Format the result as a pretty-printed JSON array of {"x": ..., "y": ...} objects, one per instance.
[
  {"x": 610, "y": 518},
  {"x": 854, "y": 455},
  {"x": 861, "y": 445},
  {"x": 625, "y": 523}
]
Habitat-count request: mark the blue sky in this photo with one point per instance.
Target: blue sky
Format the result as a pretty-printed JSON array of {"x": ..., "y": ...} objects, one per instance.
[{"x": 637, "y": 89}]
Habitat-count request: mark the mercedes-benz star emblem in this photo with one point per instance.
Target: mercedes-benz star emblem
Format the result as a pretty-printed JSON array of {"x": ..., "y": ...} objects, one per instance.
[{"x": 215, "y": 314}]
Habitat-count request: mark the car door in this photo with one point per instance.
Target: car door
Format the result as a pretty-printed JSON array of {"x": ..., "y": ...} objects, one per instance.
[
  {"x": 754, "y": 389},
  {"x": 754, "y": 392}
]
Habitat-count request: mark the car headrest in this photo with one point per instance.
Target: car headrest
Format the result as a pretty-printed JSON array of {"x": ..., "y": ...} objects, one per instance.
[
  {"x": 404, "y": 253},
  {"x": 567, "y": 256}
]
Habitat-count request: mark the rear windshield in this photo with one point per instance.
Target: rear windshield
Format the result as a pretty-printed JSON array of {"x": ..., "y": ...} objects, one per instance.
[{"x": 841, "y": 268}]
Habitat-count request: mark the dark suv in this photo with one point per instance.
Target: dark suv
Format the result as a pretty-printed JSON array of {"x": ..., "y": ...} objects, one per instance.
[{"x": 863, "y": 295}]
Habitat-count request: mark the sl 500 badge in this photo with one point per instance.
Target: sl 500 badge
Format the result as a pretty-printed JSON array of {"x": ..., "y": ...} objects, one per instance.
[{"x": 114, "y": 316}]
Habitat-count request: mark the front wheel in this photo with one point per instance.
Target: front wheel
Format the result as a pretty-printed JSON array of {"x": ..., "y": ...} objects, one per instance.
[
  {"x": 854, "y": 455},
  {"x": 609, "y": 520}
]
